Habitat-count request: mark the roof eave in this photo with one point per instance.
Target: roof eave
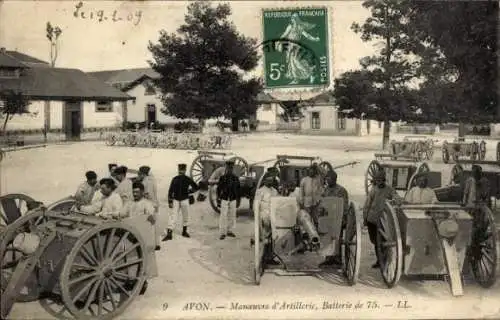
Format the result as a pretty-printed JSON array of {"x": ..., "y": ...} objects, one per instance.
[{"x": 71, "y": 98}]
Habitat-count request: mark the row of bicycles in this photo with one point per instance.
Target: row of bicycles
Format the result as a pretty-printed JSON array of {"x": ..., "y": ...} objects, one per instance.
[{"x": 169, "y": 140}]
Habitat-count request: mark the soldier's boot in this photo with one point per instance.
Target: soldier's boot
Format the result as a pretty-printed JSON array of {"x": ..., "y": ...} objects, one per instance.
[
  {"x": 185, "y": 234},
  {"x": 168, "y": 236}
]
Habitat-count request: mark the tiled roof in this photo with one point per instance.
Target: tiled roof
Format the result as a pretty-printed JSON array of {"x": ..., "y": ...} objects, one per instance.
[
  {"x": 62, "y": 84},
  {"x": 124, "y": 75},
  {"x": 25, "y": 58},
  {"x": 8, "y": 61}
]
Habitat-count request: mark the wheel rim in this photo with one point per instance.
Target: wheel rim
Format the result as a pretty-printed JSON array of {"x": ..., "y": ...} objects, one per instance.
[
  {"x": 351, "y": 246},
  {"x": 372, "y": 170},
  {"x": 10, "y": 257},
  {"x": 240, "y": 166},
  {"x": 483, "y": 249},
  {"x": 104, "y": 272},
  {"x": 197, "y": 171},
  {"x": 14, "y": 201},
  {"x": 212, "y": 196},
  {"x": 389, "y": 246},
  {"x": 63, "y": 205}
]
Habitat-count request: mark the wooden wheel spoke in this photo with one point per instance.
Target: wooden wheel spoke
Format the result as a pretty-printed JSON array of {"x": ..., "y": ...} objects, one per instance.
[
  {"x": 125, "y": 253},
  {"x": 82, "y": 278},
  {"x": 119, "y": 286},
  {"x": 107, "y": 288},
  {"x": 109, "y": 243},
  {"x": 127, "y": 264},
  {"x": 118, "y": 244},
  {"x": 97, "y": 247},
  {"x": 84, "y": 289},
  {"x": 83, "y": 266},
  {"x": 485, "y": 253},
  {"x": 100, "y": 306},
  {"x": 123, "y": 276},
  {"x": 85, "y": 254},
  {"x": 92, "y": 294}
]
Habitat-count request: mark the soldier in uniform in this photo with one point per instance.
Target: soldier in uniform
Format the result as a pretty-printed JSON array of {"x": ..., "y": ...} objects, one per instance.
[
  {"x": 228, "y": 198},
  {"x": 106, "y": 204},
  {"x": 86, "y": 190},
  {"x": 421, "y": 193},
  {"x": 334, "y": 189},
  {"x": 311, "y": 190},
  {"x": 262, "y": 206},
  {"x": 374, "y": 207},
  {"x": 150, "y": 192},
  {"x": 111, "y": 169},
  {"x": 124, "y": 187},
  {"x": 179, "y": 194},
  {"x": 476, "y": 188}
]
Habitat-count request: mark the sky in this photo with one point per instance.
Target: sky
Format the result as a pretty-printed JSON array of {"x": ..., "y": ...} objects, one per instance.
[{"x": 92, "y": 45}]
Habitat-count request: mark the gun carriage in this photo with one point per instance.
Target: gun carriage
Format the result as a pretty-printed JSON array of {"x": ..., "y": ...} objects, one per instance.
[
  {"x": 460, "y": 149},
  {"x": 400, "y": 174},
  {"x": 97, "y": 267},
  {"x": 413, "y": 146},
  {"x": 437, "y": 240},
  {"x": 296, "y": 242}
]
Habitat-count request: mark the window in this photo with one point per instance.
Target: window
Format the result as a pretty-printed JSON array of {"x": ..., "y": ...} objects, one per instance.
[
  {"x": 150, "y": 89},
  {"x": 103, "y": 106},
  {"x": 315, "y": 121},
  {"x": 341, "y": 122},
  {"x": 9, "y": 73}
]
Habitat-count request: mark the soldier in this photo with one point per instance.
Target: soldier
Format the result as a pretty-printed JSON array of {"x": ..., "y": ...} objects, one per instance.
[
  {"x": 311, "y": 189},
  {"x": 85, "y": 192},
  {"x": 333, "y": 189},
  {"x": 262, "y": 206},
  {"x": 476, "y": 188},
  {"x": 374, "y": 207},
  {"x": 150, "y": 192},
  {"x": 179, "y": 193},
  {"x": 421, "y": 193},
  {"x": 228, "y": 199},
  {"x": 140, "y": 205},
  {"x": 106, "y": 204},
  {"x": 111, "y": 169},
  {"x": 124, "y": 187}
]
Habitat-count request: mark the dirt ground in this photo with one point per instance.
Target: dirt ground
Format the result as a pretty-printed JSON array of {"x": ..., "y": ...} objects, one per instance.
[{"x": 203, "y": 269}]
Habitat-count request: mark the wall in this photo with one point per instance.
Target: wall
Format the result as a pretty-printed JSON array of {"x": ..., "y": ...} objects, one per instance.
[
  {"x": 35, "y": 120},
  {"x": 94, "y": 119},
  {"x": 268, "y": 113},
  {"x": 327, "y": 118}
]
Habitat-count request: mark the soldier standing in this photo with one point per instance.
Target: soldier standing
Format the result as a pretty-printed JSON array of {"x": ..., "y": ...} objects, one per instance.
[
  {"x": 179, "y": 195},
  {"x": 311, "y": 190},
  {"x": 228, "y": 198},
  {"x": 151, "y": 193},
  {"x": 124, "y": 187}
]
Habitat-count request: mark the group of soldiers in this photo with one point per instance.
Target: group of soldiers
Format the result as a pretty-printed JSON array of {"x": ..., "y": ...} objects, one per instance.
[{"x": 119, "y": 198}]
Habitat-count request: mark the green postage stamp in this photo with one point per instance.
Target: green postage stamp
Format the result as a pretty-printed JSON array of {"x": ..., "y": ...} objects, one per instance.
[{"x": 296, "y": 47}]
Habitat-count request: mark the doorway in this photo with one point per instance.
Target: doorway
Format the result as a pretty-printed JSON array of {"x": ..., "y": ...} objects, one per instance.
[
  {"x": 150, "y": 114},
  {"x": 73, "y": 120}
]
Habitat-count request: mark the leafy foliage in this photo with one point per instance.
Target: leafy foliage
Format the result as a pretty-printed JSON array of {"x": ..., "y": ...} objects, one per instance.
[
  {"x": 12, "y": 103},
  {"x": 201, "y": 68},
  {"x": 53, "y": 33}
]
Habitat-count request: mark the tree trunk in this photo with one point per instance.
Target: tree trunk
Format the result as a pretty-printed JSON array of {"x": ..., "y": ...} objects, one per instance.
[
  {"x": 386, "y": 134},
  {"x": 4, "y": 129},
  {"x": 234, "y": 124},
  {"x": 461, "y": 131}
]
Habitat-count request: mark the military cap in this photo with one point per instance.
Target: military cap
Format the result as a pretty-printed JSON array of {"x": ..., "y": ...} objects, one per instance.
[
  {"x": 144, "y": 170},
  {"x": 121, "y": 170},
  {"x": 182, "y": 166}
]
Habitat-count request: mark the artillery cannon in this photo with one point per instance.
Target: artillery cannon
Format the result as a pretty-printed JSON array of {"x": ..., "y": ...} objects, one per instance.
[
  {"x": 96, "y": 266},
  {"x": 13, "y": 206},
  {"x": 413, "y": 147},
  {"x": 459, "y": 149},
  {"x": 439, "y": 240},
  {"x": 400, "y": 175}
]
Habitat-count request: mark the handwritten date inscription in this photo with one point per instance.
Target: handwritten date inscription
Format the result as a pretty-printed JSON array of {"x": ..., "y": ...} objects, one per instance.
[{"x": 102, "y": 15}]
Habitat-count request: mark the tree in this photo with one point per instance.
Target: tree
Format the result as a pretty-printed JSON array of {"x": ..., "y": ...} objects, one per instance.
[
  {"x": 385, "y": 77},
  {"x": 53, "y": 34},
  {"x": 12, "y": 103},
  {"x": 201, "y": 67}
]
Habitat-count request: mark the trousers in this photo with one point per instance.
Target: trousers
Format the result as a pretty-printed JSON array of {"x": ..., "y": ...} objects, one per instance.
[
  {"x": 227, "y": 219},
  {"x": 183, "y": 207}
]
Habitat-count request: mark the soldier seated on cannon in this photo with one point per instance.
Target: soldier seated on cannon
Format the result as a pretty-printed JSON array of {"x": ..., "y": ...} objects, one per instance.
[
  {"x": 87, "y": 189},
  {"x": 262, "y": 206},
  {"x": 477, "y": 189},
  {"x": 106, "y": 203},
  {"x": 311, "y": 190},
  {"x": 333, "y": 189},
  {"x": 374, "y": 206},
  {"x": 421, "y": 193}
]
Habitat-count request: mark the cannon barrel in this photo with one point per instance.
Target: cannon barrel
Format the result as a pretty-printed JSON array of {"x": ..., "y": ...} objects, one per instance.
[{"x": 305, "y": 221}]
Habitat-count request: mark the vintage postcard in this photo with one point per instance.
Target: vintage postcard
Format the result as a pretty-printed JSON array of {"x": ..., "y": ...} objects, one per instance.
[{"x": 249, "y": 159}]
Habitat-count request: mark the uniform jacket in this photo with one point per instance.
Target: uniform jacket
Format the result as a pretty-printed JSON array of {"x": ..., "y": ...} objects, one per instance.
[
  {"x": 124, "y": 189},
  {"x": 85, "y": 193},
  {"x": 339, "y": 192},
  {"x": 179, "y": 188},
  {"x": 311, "y": 190},
  {"x": 375, "y": 202},
  {"x": 229, "y": 187},
  {"x": 475, "y": 191},
  {"x": 110, "y": 206},
  {"x": 137, "y": 208},
  {"x": 150, "y": 190}
]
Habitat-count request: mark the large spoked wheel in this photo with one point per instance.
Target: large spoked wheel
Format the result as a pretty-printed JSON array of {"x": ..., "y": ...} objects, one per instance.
[
  {"x": 372, "y": 170},
  {"x": 197, "y": 170},
  {"x": 482, "y": 150},
  {"x": 212, "y": 197},
  {"x": 456, "y": 174},
  {"x": 63, "y": 205},
  {"x": 422, "y": 168},
  {"x": 104, "y": 272},
  {"x": 258, "y": 265},
  {"x": 483, "y": 249},
  {"x": 11, "y": 256},
  {"x": 240, "y": 166},
  {"x": 474, "y": 152},
  {"x": 14, "y": 206},
  {"x": 445, "y": 154},
  {"x": 351, "y": 246},
  {"x": 111, "y": 140},
  {"x": 389, "y": 246}
]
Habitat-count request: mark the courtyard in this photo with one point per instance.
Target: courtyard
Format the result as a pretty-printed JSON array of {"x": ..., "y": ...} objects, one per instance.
[{"x": 217, "y": 273}]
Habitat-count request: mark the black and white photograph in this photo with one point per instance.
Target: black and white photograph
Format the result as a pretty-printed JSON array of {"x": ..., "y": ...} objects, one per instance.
[{"x": 249, "y": 159}]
